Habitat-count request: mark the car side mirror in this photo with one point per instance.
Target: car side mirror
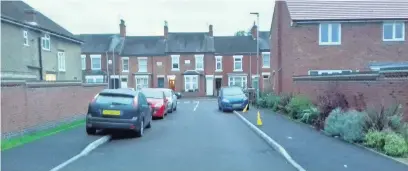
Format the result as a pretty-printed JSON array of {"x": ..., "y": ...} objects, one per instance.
[{"x": 165, "y": 100}]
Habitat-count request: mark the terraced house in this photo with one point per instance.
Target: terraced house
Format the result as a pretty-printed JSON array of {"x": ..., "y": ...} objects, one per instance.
[
  {"x": 195, "y": 63},
  {"x": 36, "y": 48},
  {"x": 326, "y": 37}
]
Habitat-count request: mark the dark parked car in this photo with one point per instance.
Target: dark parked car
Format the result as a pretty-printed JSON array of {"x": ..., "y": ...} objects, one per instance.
[
  {"x": 232, "y": 98},
  {"x": 121, "y": 109}
]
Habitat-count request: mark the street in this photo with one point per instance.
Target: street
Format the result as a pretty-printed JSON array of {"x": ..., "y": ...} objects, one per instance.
[{"x": 195, "y": 137}]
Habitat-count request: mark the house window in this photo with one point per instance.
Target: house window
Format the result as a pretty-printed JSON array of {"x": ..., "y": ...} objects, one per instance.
[
  {"x": 83, "y": 62},
  {"x": 142, "y": 64},
  {"x": 218, "y": 63},
  {"x": 266, "y": 59},
  {"x": 125, "y": 64},
  {"x": 94, "y": 79},
  {"x": 25, "y": 36},
  {"x": 394, "y": 31},
  {"x": 141, "y": 82},
  {"x": 61, "y": 61},
  {"x": 329, "y": 34},
  {"x": 95, "y": 62},
  {"x": 199, "y": 62},
  {"x": 238, "y": 63},
  {"x": 328, "y": 72},
  {"x": 46, "y": 42},
  {"x": 190, "y": 83},
  {"x": 240, "y": 81},
  {"x": 175, "y": 62}
]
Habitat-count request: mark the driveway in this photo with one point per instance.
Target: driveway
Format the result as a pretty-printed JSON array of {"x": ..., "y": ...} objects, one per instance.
[{"x": 316, "y": 151}]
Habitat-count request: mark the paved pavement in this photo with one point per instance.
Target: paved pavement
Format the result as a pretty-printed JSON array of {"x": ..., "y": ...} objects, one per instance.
[
  {"x": 195, "y": 137},
  {"x": 46, "y": 153},
  {"x": 318, "y": 152}
]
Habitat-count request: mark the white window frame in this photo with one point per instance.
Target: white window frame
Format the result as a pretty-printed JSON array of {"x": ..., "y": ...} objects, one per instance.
[
  {"x": 269, "y": 60},
  {"x": 320, "y": 72},
  {"x": 46, "y": 38},
  {"x": 123, "y": 64},
  {"x": 139, "y": 62},
  {"x": 61, "y": 61},
  {"x": 93, "y": 58},
  {"x": 199, "y": 59},
  {"x": 218, "y": 59},
  {"x": 191, "y": 83},
  {"x": 175, "y": 59},
  {"x": 393, "y": 31},
  {"x": 329, "y": 36},
  {"x": 242, "y": 62},
  {"x": 94, "y": 78},
  {"x": 244, "y": 82},
  {"x": 25, "y": 36},
  {"x": 83, "y": 62},
  {"x": 141, "y": 84}
]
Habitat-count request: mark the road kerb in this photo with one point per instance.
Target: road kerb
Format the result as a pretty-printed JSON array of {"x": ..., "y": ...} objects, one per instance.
[
  {"x": 271, "y": 143},
  {"x": 84, "y": 152}
]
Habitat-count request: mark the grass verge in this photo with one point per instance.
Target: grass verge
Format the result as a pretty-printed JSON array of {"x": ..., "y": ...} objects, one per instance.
[{"x": 17, "y": 141}]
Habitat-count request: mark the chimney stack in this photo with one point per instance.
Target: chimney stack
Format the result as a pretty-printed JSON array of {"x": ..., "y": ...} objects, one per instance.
[
  {"x": 30, "y": 16},
  {"x": 122, "y": 28},
  {"x": 210, "y": 30},
  {"x": 254, "y": 31},
  {"x": 166, "y": 30}
]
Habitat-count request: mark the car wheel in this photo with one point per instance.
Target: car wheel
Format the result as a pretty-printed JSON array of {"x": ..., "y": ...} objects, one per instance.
[
  {"x": 162, "y": 117},
  {"x": 171, "y": 109},
  {"x": 219, "y": 107},
  {"x": 149, "y": 125},
  {"x": 90, "y": 131},
  {"x": 139, "y": 133}
]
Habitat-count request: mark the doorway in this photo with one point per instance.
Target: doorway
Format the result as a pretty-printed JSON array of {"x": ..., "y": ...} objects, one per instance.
[
  {"x": 123, "y": 83},
  {"x": 160, "y": 82},
  {"x": 210, "y": 86},
  {"x": 218, "y": 84},
  {"x": 172, "y": 84},
  {"x": 114, "y": 83}
]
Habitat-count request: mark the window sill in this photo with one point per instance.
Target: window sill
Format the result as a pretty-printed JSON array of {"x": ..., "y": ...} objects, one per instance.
[
  {"x": 238, "y": 70},
  {"x": 127, "y": 71},
  {"x": 26, "y": 45},
  {"x": 95, "y": 69},
  {"x": 218, "y": 70},
  {"x": 62, "y": 71},
  {"x": 393, "y": 40},
  {"x": 266, "y": 67},
  {"x": 329, "y": 44},
  {"x": 49, "y": 50},
  {"x": 201, "y": 69},
  {"x": 175, "y": 69}
]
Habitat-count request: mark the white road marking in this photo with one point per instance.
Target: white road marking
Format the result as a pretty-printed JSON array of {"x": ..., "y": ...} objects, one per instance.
[
  {"x": 290, "y": 138},
  {"x": 345, "y": 166},
  {"x": 186, "y": 101},
  {"x": 195, "y": 108},
  {"x": 84, "y": 152},
  {"x": 272, "y": 143}
]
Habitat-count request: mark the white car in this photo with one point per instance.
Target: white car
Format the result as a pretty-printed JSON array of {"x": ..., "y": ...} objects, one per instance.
[{"x": 171, "y": 98}]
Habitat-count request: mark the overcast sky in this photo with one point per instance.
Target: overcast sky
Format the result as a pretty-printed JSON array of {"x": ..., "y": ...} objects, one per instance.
[{"x": 146, "y": 17}]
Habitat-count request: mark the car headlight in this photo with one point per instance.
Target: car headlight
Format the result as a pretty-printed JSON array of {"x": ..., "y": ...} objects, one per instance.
[
  {"x": 158, "y": 105},
  {"x": 225, "y": 100}
]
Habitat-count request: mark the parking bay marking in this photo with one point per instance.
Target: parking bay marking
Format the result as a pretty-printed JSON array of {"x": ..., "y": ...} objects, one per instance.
[{"x": 195, "y": 108}]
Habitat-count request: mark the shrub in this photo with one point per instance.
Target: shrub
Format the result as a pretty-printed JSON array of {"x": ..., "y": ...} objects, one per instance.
[
  {"x": 384, "y": 118},
  {"x": 334, "y": 122},
  {"x": 353, "y": 128},
  {"x": 310, "y": 115},
  {"x": 375, "y": 139},
  {"x": 395, "y": 145},
  {"x": 272, "y": 101},
  {"x": 284, "y": 101},
  {"x": 327, "y": 103},
  {"x": 261, "y": 102},
  {"x": 296, "y": 105}
]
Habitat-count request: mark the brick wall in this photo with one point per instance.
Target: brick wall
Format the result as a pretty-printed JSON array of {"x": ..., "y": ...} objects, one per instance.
[
  {"x": 375, "y": 89},
  {"x": 26, "y": 105}
]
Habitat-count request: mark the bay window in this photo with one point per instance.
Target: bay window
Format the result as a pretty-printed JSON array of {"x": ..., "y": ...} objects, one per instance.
[
  {"x": 191, "y": 83},
  {"x": 240, "y": 81}
]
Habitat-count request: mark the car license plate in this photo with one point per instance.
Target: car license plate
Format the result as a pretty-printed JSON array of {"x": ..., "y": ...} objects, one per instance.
[
  {"x": 236, "y": 105},
  {"x": 111, "y": 112}
]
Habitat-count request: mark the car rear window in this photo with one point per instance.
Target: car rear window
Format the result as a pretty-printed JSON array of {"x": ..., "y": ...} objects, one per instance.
[
  {"x": 154, "y": 94},
  {"x": 232, "y": 91},
  {"x": 167, "y": 93},
  {"x": 114, "y": 99}
]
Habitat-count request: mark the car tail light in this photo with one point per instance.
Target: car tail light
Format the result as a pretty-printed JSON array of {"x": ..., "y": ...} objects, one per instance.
[{"x": 93, "y": 100}]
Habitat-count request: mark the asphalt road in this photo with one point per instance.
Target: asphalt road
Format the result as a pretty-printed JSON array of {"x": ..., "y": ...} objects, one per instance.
[{"x": 194, "y": 138}]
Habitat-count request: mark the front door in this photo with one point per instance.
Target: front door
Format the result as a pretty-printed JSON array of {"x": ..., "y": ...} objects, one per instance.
[
  {"x": 218, "y": 83},
  {"x": 160, "y": 82},
  {"x": 123, "y": 83},
  {"x": 210, "y": 86},
  {"x": 172, "y": 84}
]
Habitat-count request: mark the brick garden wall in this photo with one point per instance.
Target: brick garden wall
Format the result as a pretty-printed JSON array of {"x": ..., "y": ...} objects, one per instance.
[
  {"x": 25, "y": 105},
  {"x": 372, "y": 88}
]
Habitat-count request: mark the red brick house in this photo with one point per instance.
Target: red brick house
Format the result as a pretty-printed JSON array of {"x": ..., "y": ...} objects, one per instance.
[
  {"x": 324, "y": 37},
  {"x": 196, "y": 64}
]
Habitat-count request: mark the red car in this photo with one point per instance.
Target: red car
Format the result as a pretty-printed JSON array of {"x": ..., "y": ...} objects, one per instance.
[{"x": 158, "y": 100}]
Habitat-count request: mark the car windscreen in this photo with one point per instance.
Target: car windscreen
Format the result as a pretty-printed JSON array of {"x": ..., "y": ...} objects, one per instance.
[
  {"x": 114, "y": 99},
  {"x": 232, "y": 92},
  {"x": 154, "y": 94}
]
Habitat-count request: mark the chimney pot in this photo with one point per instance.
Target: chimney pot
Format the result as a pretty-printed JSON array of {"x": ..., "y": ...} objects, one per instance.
[
  {"x": 166, "y": 29},
  {"x": 122, "y": 28},
  {"x": 210, "y": 30}
]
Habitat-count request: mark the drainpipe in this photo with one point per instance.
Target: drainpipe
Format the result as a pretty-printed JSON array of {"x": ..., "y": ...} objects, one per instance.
[
  {"x": 40, "y": 59},
  {"x": 107, "y": 69},
  {"x": 113, "y": 67},
  {"x": 250, "y": 69}
]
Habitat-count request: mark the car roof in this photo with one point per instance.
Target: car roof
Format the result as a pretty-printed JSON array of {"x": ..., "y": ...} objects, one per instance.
[
  {"x": 231, "y": 87},
  {"x": 121, "y": 91}
]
